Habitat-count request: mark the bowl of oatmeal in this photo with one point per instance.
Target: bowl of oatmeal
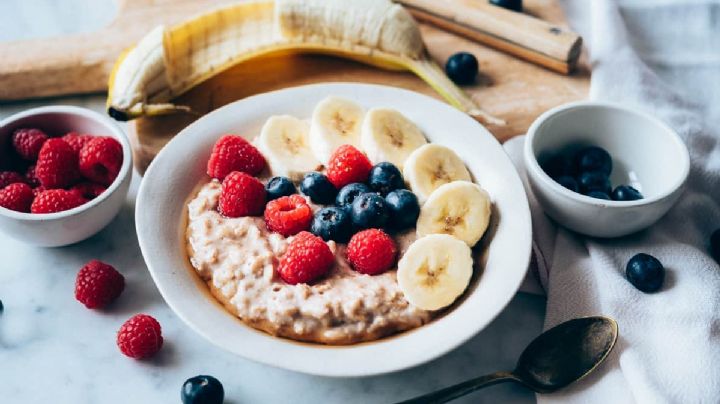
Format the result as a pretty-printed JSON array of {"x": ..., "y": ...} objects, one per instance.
[{"x": 230, "y": 279}]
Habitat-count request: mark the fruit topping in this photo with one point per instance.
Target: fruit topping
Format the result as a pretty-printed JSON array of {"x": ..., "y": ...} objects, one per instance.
[
  {"x": 279, "y": 186},
  {"x": 234, "y": 153},
  {"x": 319, "y": 188},
  {"x": 371, "y": 252},
  {"x": 385, "y": 177},
  {"x": 284, "y": 142},
  {"x": 241, "y": 195},
  {"x": 387, "y": 135},
  {"x": 404, "y": 209},
  {"x": 349, "y": 192},
  {"x": 335, "y": 121},
  {"x": 307, "y": 259},
  {"x": 433, "y": 165},
  {"x": 347, "y": 165},
  {"x": 369, "y": 211},
  {"x": 332, "y": 223},
  {"x": 288, "y": 215}
]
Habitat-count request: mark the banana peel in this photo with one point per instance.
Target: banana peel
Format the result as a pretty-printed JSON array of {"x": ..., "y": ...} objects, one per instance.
[{"x": 169, "y": 61}]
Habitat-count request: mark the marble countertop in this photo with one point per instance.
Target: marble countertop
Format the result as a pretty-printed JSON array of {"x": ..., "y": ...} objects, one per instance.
[{"x": 53, "y": 349}]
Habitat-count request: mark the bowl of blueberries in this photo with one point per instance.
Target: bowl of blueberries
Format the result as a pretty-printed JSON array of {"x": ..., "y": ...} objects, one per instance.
[{"x": 604, "y": 170}]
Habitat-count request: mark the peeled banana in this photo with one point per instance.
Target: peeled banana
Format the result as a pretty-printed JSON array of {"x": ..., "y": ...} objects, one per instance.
[
  {"x": 285, "y": 143},
  {"x": 430, "y": 166},
  {"x": 387, "y": 135},
  {"x": 335, "y": 121},
  {"x": 169, "y": 61}
]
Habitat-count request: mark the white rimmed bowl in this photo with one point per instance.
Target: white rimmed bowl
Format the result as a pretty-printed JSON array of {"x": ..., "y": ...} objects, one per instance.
[
  {"x": 70, "y": 226},
  {"x": 180, "y": 166},
  {"x": 646, "y": 153}
]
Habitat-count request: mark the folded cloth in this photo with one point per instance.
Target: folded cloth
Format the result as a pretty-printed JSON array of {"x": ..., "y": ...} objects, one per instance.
[{"x": 663, "y": 57}]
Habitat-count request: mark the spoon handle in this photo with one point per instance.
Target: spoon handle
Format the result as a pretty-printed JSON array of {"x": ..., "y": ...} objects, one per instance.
[{"x": 461, "y": 389}]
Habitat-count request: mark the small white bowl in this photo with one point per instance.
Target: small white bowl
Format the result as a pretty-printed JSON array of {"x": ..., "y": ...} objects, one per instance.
[
  {"x": 646, "y": 153},
  {"x": 70, "y": 226}
]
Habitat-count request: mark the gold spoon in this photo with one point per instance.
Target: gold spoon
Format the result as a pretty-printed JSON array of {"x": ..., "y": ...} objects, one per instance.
[{"x": 559, "y": 356}]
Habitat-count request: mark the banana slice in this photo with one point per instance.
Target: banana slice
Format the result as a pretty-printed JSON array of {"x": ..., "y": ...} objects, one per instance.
[
  {"x": 284, "y": 141},
  {"x": 459, "y": 208},
  {"x": 386, "y": 135},
  {"x": 335, "y": 122},
  {"x": 434, "y": 271},
  {"x": 431, "y": 166}
]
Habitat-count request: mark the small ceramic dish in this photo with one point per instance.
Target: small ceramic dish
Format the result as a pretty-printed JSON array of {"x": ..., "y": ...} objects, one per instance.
[
  {"x": 70, "y": 226},
  {"x": 175, "y": 173},
  {"x": 647, "y": 154}
]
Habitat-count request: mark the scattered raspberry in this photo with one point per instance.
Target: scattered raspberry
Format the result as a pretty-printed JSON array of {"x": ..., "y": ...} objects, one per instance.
[
  {"x": 27, "y": 142},
  {"x": 10, "y": 177},
  {"x": 371, "y": 252},
  {"x": 307, "y": 258},
  {"x": 17, "y": 196},
  {"x": 100, "y": 159},
  {"x": 288, "y": 215},
  {"x": 88, "y": 190},
  {"x": 241, "y": 195},
  {"x": 234, "y": 153},
  {"x": 31, "y": 178},
  {"x": 57, "y": 164},
  {"x": 76, "y": 140},
  {"x": 140, "y": 337},
  {"x": 347, "y": 165},
  {"x": 97, "y": 284},
  {"x": 56, "y": 200}
]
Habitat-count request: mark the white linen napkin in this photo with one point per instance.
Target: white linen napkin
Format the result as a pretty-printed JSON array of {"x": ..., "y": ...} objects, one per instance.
[{"x": 663, "y": 57}]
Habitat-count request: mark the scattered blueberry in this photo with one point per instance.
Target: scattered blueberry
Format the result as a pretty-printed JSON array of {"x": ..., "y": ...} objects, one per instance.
[
  {"x": 626, "y": 193},
  {"x": 202, "y": 390},
  {"x": 594, "y": 181},
  {"x": 568, "y": 182},
  {"x": 279, "y": 186},
  {"x": 558, "y": 165},
  {"x": 462, "y": 68},
  {"x": 715, "y": 245},
  {"x": 332, "y": 223},
  {"x": 514, "y": 5},
  {"x": 369, "y": 211},
  {"x": 318, "y": 188},
  {"x": 598, "y": 195},
  {"x": 349, "y": 192},
  {"x": 645, "y": 272},
  {"x": 404, "y": 209},
  {"x": 385, "y": 177},
  {"x": 593, "y": 158},
  {"x": 1, "y": 306}
]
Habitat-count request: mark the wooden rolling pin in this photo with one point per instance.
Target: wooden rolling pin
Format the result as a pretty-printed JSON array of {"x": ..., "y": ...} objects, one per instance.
[{"x": 516, "y": 33}]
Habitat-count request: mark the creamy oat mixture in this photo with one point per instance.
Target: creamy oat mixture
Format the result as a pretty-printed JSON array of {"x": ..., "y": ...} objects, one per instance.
[{"x": 237, "y": 258}]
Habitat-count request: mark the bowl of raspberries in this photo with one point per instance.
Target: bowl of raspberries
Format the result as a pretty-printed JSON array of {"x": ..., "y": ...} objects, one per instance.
[{"x": 64, "y": 174}]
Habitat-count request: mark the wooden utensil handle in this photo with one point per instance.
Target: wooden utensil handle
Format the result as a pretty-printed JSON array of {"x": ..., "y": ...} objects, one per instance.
[{"x": 519, "y": 34}]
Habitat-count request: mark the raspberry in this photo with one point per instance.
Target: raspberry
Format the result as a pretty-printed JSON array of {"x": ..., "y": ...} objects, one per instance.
[
  {"x": 88, "y": 190},
  {"x": 100, "y": 159},
  {"x": 347, "y": 165},
  {"x": 371, "y": 252},
  {"x": 10, "y": 177},
  {"x": 307, "y": 258},
  {"x": 288, "y": 215},
  {"x": 76, "y": 140},
  {"x": 234, "y": 153},
  {"x": 140, "y": 337},
  {"x": 28, "y": 142},
  {"x": 57, "y": 164},
  {"x": 38, "y": 190},
  {"x": 97, "y": 284},
  {"x": 31, "y": 178},
  {"x": 241, "y": 195},
  {"x": 56, "y": 200},
  {"x": 17, "y": 196}
]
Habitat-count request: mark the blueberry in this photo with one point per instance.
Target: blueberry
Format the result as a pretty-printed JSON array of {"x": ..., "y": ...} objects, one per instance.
[
  {"x": 404, "y": 209},
  {"x": 462, "y": 68},
  {"x": 715, "y": 245},
  {"x": 645, "y": 272},
  {"x": 514, "y": 5},
  {"x": 626, "y": 193},
  {"x": 568, "y": 182},
  {"x": 385, "y": 177},
  {"x": 598, "y": 195},
  {"x": 593, "y": 158},
  {"x": 558, "y": 165},
  {"x": 594, "y": 181},
  {"x": 349, "y": 192},
  {"x": 202, "y": 390},
  {"x": 318, "y": 188},
  {"x": 279, "y": 186},
  {"x": 369, "y": 211},
  {"x": 332, "y": 223}
]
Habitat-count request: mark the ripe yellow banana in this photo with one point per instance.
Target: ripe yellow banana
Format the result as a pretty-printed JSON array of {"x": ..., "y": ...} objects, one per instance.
[{"x": 169, "y": 61}]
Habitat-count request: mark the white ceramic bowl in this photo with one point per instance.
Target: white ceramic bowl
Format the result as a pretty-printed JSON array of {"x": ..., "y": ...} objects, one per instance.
[
  {"x": 70, "y": 226},
  {"x": 180, "y": 166},
  {"x": 646, "y": 153}
]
